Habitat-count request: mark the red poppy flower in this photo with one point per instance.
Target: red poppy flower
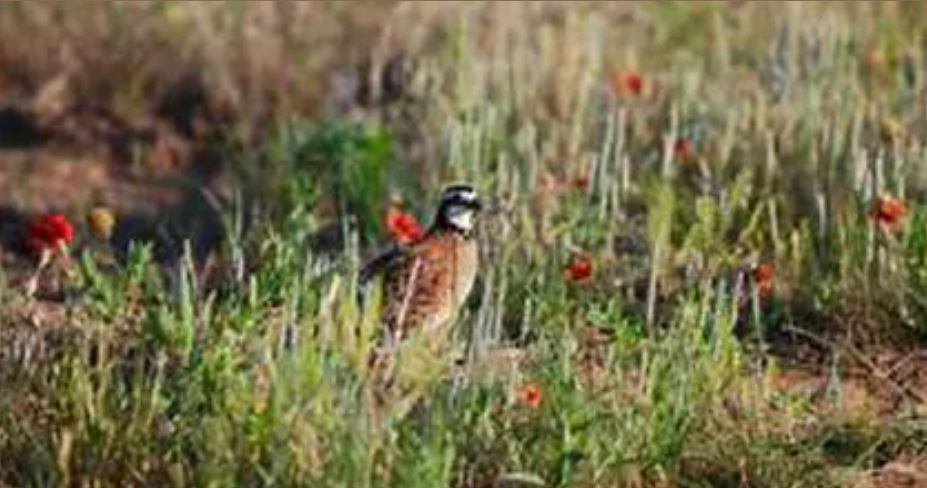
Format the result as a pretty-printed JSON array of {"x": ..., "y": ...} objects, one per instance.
[
  {"x": 581, "y": 182},
  {"x": 578, "y": 269},
  {"x": 628, "y": 81},
  {"x": 682, "y": 148},
  {"x": 888, "y": 211},
  {"x": 530, "y": 395},
  {"x": 404, "y": 227},
  {"x": 763, "y": 275},
  {"x": 49, "y": 232}
]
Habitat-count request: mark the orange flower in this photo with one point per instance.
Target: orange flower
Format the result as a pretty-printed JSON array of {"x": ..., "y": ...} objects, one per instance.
[
  {"x": 892, "y": 131},
  {"x": 101, "y": 221},
  {"x": 888, "y": 211},
  {"x": 548, "y": 183},
  {"x": 763, "y": 277},
  {"x": 49, "y": 232},
  {"x": 874, "y": 58},
  {"x": 628, "y": 81},
  {"x": 579, "y": 268},
  {"x": 404, "y": 227},
  {"x": 530, "y": 395},
  {"x": 682, "y": 148}
]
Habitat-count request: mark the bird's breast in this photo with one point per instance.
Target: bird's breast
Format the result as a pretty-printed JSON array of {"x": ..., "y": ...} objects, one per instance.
[{"x": 467, "y": 257}]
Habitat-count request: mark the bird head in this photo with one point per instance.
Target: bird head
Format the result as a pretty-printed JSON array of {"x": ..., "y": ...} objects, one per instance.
[{"x": 458, "y": 208}]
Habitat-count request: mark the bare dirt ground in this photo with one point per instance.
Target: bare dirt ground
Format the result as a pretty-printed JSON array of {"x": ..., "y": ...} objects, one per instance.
[{"x": 150, "y": 176}]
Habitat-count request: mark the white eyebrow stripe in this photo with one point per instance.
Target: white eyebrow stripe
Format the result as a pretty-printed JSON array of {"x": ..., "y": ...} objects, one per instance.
[{"x": 469, "y": 195}]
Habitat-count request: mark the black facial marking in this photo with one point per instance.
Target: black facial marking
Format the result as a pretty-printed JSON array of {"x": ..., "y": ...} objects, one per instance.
[
  {"x": 458, "y": 188},
  {"x": 457, "y": 195}
]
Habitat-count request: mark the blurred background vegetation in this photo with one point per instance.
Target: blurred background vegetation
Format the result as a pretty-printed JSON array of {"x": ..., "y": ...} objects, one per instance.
[{"x": 707, "y": 266}]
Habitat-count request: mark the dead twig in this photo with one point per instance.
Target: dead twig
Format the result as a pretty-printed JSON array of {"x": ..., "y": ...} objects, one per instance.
[{"x": 859, "y": 357}]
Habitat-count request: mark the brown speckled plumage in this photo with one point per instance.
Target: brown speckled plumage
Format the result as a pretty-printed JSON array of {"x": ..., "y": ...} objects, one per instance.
[{"x": 425, "y": 283}]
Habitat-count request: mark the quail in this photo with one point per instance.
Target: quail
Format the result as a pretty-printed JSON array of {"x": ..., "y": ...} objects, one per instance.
[{"x": 425, "y": 282}]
